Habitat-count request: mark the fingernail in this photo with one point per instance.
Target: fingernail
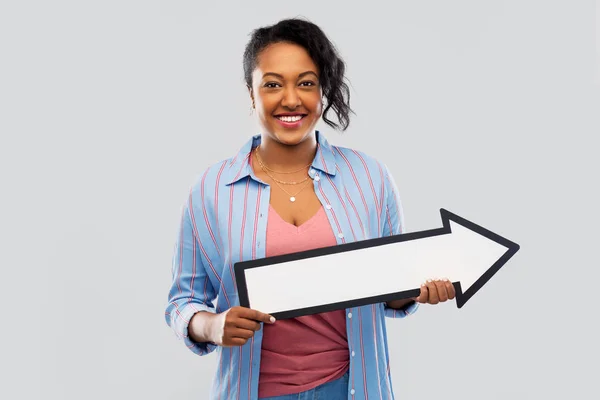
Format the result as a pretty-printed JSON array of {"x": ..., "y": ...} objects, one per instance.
[
  {"x": 428, "y": 280},
  {"x": 272, "y": 320}
]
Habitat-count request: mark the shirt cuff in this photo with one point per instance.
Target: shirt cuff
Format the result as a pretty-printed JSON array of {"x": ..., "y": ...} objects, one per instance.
[
  {"x": 405, "y": 311},
  {"x": 181, "y": 324}
]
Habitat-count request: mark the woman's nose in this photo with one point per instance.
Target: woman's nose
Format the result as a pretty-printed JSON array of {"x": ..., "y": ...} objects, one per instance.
[{"x": 290, "y": 98}]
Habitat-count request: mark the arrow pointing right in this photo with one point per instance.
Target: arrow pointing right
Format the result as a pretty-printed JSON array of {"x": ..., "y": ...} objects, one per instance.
[
  {"x": 476, "y": 254},
  {"x": 324, "y": 279}
]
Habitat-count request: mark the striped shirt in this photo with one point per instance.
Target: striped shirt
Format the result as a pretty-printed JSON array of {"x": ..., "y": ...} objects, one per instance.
[{"x": 224, "y": 220}]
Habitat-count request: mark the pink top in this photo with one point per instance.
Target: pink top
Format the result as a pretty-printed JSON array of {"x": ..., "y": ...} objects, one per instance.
[{"x": 299, "y": 354}]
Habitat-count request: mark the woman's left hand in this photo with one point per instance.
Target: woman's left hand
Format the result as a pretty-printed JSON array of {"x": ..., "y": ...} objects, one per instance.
[{"x": 436, "y": 291}]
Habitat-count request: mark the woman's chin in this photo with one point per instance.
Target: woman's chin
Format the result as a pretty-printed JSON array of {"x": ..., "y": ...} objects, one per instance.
[{"x": 292, "y": 137}]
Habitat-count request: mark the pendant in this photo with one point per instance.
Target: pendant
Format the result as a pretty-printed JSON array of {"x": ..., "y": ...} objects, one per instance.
[{"x": 292, "y": 199}]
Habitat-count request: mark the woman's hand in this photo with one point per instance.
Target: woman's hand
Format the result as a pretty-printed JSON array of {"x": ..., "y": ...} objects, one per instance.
[
  {"x": 230, "y": 328},
  {"x": 436, "y": 291},
  {"x": 240, "y": 323}
]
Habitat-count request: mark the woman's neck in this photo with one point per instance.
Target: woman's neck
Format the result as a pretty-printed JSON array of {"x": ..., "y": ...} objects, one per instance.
[{"x": 284, "y": 157}]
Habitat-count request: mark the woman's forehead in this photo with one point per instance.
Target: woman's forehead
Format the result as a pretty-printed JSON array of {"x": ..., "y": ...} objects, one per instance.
[{"x": 285, "y": 59}]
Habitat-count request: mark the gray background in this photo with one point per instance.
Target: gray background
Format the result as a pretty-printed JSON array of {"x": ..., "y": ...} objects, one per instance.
[{"x": 109, "y": 110}]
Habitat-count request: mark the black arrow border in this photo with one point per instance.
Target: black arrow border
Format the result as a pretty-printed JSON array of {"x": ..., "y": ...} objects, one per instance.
[
  {"x": 447, "y": 216},
  {"x": 512, "y": 248}
]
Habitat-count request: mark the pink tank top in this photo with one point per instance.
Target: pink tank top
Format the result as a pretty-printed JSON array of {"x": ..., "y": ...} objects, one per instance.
[{"x": 299, "y": 354}]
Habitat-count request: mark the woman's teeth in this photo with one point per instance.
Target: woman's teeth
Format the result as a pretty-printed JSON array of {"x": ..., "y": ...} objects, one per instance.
[{"x": 295, "y": 118}]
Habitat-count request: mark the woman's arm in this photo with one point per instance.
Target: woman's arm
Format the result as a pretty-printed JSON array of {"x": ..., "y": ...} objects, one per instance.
[
  {"x": 393, "y": 224},
  {"x": 191, "y": 291},
  {"x": 399, "y": 304}
]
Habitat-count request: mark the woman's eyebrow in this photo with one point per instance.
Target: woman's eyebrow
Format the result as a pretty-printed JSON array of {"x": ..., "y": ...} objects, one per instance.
[{"x": 299, "y": 76}]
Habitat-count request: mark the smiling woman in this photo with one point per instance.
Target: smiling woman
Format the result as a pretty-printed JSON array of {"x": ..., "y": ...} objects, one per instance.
[
  {"x": 288, "y": 190},
  {"x": 286, "y": 93}
]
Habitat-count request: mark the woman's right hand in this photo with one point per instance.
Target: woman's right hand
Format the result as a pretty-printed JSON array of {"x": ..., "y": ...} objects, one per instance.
[{"x": 230, "y": 328}]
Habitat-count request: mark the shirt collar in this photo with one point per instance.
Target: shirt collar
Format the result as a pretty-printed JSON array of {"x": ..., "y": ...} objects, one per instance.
[{"x": 239, "y": 167}]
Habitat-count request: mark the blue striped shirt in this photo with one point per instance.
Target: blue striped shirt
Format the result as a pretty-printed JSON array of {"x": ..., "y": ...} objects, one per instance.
[{"x": 224, "y": 221}]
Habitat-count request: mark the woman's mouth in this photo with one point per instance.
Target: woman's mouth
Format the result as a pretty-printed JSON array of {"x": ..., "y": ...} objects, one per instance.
[{"x": 290, "y": 121}]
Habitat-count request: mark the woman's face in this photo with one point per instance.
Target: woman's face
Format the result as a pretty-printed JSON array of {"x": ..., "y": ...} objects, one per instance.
[{"x": 286, "y": 93}]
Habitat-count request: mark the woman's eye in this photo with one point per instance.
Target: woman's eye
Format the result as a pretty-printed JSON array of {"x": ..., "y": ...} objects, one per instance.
[{"x": 273, "y": 85}]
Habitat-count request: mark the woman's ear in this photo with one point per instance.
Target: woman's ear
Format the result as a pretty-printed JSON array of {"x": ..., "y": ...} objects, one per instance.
[{"x": 251, "y": 94}]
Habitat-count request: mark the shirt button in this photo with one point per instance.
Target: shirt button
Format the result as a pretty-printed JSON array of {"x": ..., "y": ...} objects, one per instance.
[
  {"x": 341, "y": 235},
  {"x": 352, "y": 392},
  {"x": 353, "y": 354},
  {"x": 317, "y": 178},
  {"x": 328, "y": 206},
  {"x": 349, "y": 315}
]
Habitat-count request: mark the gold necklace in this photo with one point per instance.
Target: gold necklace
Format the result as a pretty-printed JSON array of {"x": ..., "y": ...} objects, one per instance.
[
  {"x": 287, "y": 183},
  {"x": 292, "y": 196},
  {"x": 264, "y": 168},
  {"x": 277, "y": 172}
]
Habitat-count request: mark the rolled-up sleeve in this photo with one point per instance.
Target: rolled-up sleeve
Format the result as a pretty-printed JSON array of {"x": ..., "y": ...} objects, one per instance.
[
  {"x": 393, "y": 224},
  {"x": 400, "y": 313},
  {"x": 191, "y": 289}
]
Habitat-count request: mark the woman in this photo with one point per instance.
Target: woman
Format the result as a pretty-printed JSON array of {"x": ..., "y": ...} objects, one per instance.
[{"x": 288, "y": 190}]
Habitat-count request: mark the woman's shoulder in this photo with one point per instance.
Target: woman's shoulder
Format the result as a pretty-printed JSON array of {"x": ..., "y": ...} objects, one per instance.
[
  {"x": 221, "y": 173},
  {"x": 214, "y": 174},
  {"x": 350, "y": 159}
]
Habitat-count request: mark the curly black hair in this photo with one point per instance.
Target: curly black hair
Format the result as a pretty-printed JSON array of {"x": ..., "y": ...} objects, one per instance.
[{"x": 324, "y": 54}]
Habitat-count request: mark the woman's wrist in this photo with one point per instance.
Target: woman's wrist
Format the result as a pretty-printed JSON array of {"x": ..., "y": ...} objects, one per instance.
[
  {"x": 200, "y": 328},
  {"x": 400, "y": 304}
]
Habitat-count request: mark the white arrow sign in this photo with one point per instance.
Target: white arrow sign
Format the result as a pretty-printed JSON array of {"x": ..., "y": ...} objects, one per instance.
[{"x": 374, "y": 270}]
